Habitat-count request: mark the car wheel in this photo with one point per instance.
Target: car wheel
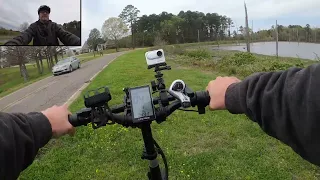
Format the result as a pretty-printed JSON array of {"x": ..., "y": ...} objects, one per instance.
[
  {"x": 79, "y": 66},
  {"x": 70, "y": 69}
]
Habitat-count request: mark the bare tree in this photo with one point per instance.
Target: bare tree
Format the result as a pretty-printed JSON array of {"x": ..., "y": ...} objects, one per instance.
[
  {"x": 114, "y": 29},
  {"x": 24, "y": 26},
  {"x": 37, "y": 54},
  {"x": 18, "y": 55},
  {"x": 48, "y": 55},
  {"x": 93, "y": 39}
]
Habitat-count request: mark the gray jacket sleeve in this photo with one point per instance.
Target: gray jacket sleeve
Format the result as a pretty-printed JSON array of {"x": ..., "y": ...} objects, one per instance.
[
  {"x": 67, "y": 38},
  {"x": 24, "y": 38},
  {"x": 21, "y": 136},
  {"x": 285, "y": 104}
]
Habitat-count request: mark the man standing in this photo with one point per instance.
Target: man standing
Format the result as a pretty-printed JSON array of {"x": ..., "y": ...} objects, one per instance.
[{"x": 45, "y": 32}]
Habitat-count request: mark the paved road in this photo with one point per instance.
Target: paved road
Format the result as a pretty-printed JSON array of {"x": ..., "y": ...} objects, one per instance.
[{"x": 55, "y": 90}]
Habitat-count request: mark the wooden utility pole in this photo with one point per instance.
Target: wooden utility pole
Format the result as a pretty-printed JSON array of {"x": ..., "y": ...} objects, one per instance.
[
  {"x": 277, "y": 38},
  {"x": 198, "y": 36},
  {"x": 247, "y": 29},
  {"x": 289, "y": 35},
  {"x": 298, "y": 36},
  {"x": 252, "y": 34}
]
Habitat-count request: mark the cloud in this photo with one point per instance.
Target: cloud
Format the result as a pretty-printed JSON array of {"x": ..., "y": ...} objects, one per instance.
[
  {"x": 14, "y": 12},
  {"x": 295, "y": 11}
]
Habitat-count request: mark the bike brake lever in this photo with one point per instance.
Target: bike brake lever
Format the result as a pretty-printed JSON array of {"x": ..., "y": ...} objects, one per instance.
[{"x": 177, "y": 90}]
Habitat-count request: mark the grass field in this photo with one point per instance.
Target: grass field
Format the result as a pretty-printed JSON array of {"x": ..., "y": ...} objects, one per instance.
[
  {"x": 89, "y": 56},
  {"x": 217, "y": 145},
  {"x": 10, "y": 79}
]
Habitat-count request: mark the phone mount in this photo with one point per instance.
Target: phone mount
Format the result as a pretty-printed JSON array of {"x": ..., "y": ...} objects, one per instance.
[{"x": 96, "y": 101}]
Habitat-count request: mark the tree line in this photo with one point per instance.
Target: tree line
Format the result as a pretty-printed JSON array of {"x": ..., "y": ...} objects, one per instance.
[
  {"x": 20, "y": 55},
  {"x": 149, "y": 30},
  {"x": 295, "y": 33},
  {"x": 130, "y": 30}
]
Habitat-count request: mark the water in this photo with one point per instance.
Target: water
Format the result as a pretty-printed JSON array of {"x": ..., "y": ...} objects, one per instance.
[{"x": 286, "y": 49}]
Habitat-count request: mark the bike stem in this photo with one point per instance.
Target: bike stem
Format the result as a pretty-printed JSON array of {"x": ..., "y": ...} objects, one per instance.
[{"x": 150, "y": 152}]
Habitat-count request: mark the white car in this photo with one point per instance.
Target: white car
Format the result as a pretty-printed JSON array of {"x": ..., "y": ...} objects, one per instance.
[{"x": 66, "y": 65}]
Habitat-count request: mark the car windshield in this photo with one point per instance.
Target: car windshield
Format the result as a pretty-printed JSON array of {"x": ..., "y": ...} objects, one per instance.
[{"x": 64, "y": 61}]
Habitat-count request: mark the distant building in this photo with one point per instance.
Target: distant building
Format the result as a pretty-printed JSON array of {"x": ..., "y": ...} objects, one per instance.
[
  {"x": 107, "y": 45},
  {"x": 85, "y": 48}
]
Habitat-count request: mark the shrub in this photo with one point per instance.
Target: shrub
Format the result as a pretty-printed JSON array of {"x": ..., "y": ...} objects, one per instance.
[
  {"x": 199, "y": 54},
  {"x": 174, "y": 50},
  {"x": 242, "y": 58},
  {"x": 276, "y": 66}
]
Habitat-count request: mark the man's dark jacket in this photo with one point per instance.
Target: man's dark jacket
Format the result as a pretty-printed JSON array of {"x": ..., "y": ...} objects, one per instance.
[
  {"x": 45, "y": 34},
  {"x": 286, "y": 105}
]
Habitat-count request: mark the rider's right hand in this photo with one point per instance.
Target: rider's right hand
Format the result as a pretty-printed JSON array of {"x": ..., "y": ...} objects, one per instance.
[
  {"x": 217, "y": 90},
  {"x": 58, "y": 118}
]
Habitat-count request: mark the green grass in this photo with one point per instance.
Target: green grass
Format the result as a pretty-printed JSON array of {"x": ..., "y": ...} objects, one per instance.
[
  {"x": 89, "y": 56},
  {"x": 217, "y": 145},
  {"x": 11, "y": 79}
]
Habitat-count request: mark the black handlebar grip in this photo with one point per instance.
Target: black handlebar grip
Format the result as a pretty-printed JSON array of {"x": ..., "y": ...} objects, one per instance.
[
  {"x": 207, "y": 98},
  {"x": 73, "y": 120},
  {"x": 202, "y": 98}
]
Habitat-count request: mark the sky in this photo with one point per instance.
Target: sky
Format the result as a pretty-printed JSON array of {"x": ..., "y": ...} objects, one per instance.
[
  {"x": 263, "y": 13},
  {"x": 15, "y": 12}
]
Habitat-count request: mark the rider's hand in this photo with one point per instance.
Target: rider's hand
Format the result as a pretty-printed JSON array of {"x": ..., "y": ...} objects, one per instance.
[
  {"x": 58, "y": 118},
  {"x": 217, "y": 91}
]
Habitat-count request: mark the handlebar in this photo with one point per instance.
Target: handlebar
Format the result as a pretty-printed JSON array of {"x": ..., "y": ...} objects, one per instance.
[
  {"x": 86, "y": 115},
  {"x": 179, "y": 95}
]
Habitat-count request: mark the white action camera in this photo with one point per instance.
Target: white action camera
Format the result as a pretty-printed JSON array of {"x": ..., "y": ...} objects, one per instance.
[{"x": 155, "y": 57}]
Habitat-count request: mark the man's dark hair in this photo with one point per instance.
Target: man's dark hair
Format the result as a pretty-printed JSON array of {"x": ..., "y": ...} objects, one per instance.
[{"x": 44, "y": 7}]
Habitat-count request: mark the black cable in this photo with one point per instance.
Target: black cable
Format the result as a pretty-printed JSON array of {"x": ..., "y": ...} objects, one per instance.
[{"x": 163, "y": 158}]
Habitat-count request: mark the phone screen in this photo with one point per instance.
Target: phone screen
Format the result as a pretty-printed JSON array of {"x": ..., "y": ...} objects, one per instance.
[{"x": 142, "y": 105}]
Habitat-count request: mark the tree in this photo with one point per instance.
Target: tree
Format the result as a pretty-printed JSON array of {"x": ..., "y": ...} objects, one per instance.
[
  {"x": 114, "y": 29},
  {"x": 94, "y": 39},
  {"x": 24, "y": 26},
  {"x": 230, "y": 23},
  {"x": 36, "y": 54},
  {"x": 308, "y": 32},
  {"x": 48, "y": 52},
  {"x": 18, "y": 55},
  {"x": 130, "y": 15}
]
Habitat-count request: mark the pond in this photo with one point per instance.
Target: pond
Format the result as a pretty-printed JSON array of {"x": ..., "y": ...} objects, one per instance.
[{"x": 286, "y": 49}]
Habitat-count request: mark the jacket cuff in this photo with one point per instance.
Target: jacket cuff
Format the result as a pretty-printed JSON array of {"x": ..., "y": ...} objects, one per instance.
[
  {"x": 232, "y": 99},
  {"x": 41, "y": 128}
]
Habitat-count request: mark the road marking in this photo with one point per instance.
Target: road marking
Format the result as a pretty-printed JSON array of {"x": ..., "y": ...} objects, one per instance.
[
  {"x": 19, "y": 100},
  {"x": 78, "y": 92}
]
